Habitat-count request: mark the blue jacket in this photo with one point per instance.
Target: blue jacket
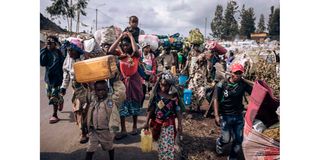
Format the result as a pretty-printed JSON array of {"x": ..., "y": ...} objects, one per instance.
[{"x": 53, "y": 61}]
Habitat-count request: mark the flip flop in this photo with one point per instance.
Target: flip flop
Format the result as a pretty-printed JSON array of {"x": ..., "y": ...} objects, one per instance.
[
  {"x": 53, "y": 120},
  {"x": 120, "y": 136}
]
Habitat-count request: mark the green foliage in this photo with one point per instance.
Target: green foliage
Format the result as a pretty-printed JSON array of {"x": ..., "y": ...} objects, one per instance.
[
  {"x": 247, "y": 22},
  {"x": 60, "y": 8},
  {"x": 274, "y": 28},
  {"x": 230, "y": 25},
  {"x": 261, "y": 24},
  {"x": 81, "y": 5},
  {"x": 217, "y": 22}
]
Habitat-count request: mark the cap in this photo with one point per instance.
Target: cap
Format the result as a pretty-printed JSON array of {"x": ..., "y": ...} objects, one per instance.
[{"x": 237, "y": 67}]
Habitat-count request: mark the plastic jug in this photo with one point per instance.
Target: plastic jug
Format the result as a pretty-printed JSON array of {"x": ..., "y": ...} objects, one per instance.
[
  {"x": 146, "y": 140},
  {"x": 187, "y": 94}
]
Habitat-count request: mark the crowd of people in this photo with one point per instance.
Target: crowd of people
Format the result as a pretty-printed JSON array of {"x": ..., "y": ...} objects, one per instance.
[{"x": 143, "y": 71}]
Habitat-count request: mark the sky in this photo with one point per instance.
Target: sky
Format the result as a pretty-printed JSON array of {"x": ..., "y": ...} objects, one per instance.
[{"x": 159, "y": 17}]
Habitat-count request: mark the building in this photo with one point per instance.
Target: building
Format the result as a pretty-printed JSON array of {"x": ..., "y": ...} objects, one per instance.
[{"x": 259, "y": 37}]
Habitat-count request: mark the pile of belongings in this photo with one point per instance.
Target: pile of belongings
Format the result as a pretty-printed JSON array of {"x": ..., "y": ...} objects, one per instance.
[
  {"x": 107, "y": 35},
  {"x": 261, "y": 139},
  {"x": 195, "y": 36}
]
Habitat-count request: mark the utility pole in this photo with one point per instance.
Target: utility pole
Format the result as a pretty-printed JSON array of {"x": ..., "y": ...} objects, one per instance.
[
  {"x": 205, "y": 29},
  {"x": 71, "y": 18},
  {"x": 97, "y": 14},
  {"x": 96, "y": 19}
]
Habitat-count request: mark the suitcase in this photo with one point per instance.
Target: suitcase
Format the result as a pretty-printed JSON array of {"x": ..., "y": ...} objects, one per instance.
[{"x": 95, "y": 69}]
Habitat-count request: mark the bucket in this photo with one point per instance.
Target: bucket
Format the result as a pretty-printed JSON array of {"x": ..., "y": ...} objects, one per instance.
[
  {"x": 187, "y": 93},
  {"x": 183, "y": 79}
]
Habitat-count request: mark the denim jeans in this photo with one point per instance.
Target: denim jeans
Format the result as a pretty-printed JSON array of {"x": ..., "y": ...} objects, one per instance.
[{"x": 231, "y": 127}]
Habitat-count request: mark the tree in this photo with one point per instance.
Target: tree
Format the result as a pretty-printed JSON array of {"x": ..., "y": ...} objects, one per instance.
[
  {"x": 217, "y": 22},
  {"x": 61, "y": 8},
  {"x": 270, "y": 18},
  {"x": 261, "y": 25},
  {"x": 80, "y": 7},
  {"x": 275, "y": 23},
  {"x": 247, "y": 22},
  {"x": 230, "y": 25}
]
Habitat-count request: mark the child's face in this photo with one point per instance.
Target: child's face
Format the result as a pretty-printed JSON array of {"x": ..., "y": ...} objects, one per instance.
[
  {"x": 146, "y": 49},
  {"x": 133, "y": 23},
  {"x": 101, "y": 90},
  {"x": 164, "y": 87}
]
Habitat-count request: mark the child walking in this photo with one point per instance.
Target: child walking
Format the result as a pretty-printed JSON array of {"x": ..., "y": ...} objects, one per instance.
[
  {"x": 163, "y": 109},
  {"x": 98, "y": 121}
]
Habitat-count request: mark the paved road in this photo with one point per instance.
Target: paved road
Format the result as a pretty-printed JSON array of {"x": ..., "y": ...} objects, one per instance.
[{"x": 60, "y": 141}]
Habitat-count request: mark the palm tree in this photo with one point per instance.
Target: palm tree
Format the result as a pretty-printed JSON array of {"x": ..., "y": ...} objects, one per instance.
[
  {"x": 61, "y": 8},
  {"x": 80, "y": 7}
]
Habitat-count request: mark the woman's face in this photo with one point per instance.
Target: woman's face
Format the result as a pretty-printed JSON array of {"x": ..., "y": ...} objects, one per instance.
[
  {"x": 146, "y": 49},
  {"x": 73, "y": 54},
  {"x": 126, "y": 47},
  {"x": 106, "y": 47}
]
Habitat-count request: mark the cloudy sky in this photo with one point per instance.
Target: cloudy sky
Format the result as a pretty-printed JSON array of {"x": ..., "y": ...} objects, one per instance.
[{"x": 159, "y": 17}]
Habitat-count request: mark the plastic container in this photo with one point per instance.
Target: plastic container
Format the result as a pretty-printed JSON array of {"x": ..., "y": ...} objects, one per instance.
[
  {"x": 187, "y": 94},
  {"x": 174, "y": 70},
  {"x": 183, "y": 80},
  {"x": 146, "y": 140},
  {"x": 95, "y": 69}
]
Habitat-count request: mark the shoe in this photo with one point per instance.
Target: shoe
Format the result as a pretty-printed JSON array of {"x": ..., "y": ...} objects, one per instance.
[
  {"x": 84, "y": 139},
  {"x": 53, "y": 119},
  {"x": 219, "y": 150}
]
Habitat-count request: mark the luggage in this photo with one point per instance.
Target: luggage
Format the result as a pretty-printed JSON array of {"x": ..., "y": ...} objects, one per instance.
[
  {"x": 183, "y": 80},
  {"x": 195, "y": 36},
  {"x": 262, "y": 106},
  {"x": 107, "y": 35},
  {"x": 95, "y": 69},
  {"x": 177, "y": 43},
  {"x": 152, "y": 40},
  {"x": 215, "y": 46}
]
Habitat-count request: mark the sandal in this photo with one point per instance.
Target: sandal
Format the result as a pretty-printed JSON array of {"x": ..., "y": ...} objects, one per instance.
[
  {"x": 53, "y": 120},
  {"x": 120, "y": 136},
  {"x": 84, "y": 139}
]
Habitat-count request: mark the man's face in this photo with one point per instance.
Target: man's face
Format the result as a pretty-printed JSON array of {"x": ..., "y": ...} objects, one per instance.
[
  {"x": 236, "y": 76},
  {"x": 133, "y": 23},
  {"x": 101, "y": 90},
  {"x": 51, "y": 44}
]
